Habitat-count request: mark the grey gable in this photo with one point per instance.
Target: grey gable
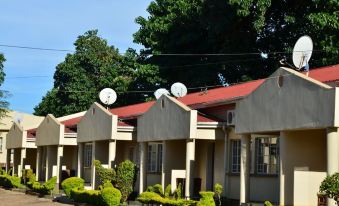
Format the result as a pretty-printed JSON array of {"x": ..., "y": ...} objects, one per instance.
[
  {"x": 287, "y": 100},
  {"x": 167, "y": 119}
]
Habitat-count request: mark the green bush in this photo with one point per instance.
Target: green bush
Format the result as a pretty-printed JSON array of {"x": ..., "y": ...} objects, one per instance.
[
  {"x": 45, "y": 188},
  {"x": 125, "y": 179},
  {"x": 267, "y": 203},
  {"x": 330, "y": 187},
  {"x": 157, "y": 188},
  {"x": 27, "y": 176},
  {"x": 110, "y": 196},
  {"x": 178, "y": 192},
  {"x": 87, "y": 196},
  {"x": 70, "y": 183},
  {"x": 206, "y": 199},
  {"x": 168, "y": 190},
  {"x": 104, "y": 174},
  {"x": 8, "y": 181},
  {"x": 154, "y": 198},
  {"x": 218, "y": 191}
]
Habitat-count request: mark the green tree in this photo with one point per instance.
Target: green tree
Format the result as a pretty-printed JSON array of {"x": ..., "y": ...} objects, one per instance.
[
  {"x": 3, "y": 94},
  {"x": 262, "y": 27},
  {"x": 93, "y": 66}
]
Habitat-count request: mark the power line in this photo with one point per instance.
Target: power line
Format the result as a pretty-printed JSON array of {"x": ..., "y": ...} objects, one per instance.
[
  {"x": 35, "y": 48},
  {"x": 27, "y": 77}
]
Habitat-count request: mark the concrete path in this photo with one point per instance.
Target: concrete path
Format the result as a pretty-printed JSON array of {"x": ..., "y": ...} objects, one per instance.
[{"x": 12, "y": 198}]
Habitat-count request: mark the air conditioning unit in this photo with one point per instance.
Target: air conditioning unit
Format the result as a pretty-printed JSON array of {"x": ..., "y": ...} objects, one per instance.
[{"x": 230, "y": 117}]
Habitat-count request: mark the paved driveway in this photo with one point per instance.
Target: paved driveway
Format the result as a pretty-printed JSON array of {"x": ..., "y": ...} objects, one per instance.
[{"x": 11, "y": 198}]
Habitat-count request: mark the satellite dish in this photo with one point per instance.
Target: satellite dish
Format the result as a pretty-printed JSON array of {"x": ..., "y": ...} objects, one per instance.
[
  {"x": 108, "y": 96},
  {"x": 302, "y": 51},
  {"x": 160, "y": 92},
  {"x": 178, "y": 89},
  {"x": 18, "y": 117}
]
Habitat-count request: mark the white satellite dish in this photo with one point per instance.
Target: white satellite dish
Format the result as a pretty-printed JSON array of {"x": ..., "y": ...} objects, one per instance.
[
  {"x": 302, "y": 51},
  {"x": 178, "y": 89},
  {"x": 108, "y": 96},
  {"x": 160, "y": 92}
]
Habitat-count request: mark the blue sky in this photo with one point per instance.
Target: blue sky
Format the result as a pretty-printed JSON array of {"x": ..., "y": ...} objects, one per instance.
[{"x": 56, "y": 24}]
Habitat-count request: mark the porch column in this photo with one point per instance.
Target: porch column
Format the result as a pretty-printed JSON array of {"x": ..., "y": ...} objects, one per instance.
[
  {"x": 163, "y": 166},
  {"x": 226, "y": 163},
  {"x": 60, "y": 153},
  {"x": 143, "y": 167},
  {"x": 48, "y": 156},
  {"x": 190, "y": 158},
  {"x": 245, "y": 168},
  {"x": 112, "y": 153},
  {"x": 21, "y": 165},
  {"x": 8, "y": 160},
  {"x": 332, "y": 155},
  {"x": 38, "y": 162},
  {"x": 93, "y": 166},
  {"x": 80, "y": 159},
  {"x": 282, "y": 151}
]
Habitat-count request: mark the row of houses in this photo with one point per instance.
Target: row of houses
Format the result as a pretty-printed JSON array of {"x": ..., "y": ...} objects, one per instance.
[{"x": 270, "y": 139}]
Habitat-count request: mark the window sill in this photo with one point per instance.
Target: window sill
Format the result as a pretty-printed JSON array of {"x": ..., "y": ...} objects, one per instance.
[{"x": 253, "y": 175}]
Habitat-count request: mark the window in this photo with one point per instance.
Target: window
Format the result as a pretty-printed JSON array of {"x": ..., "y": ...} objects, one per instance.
[
  {"x": 0, "y": 144},
  {"x": 154, "y": 157},
  {"x": 88, "y": 155},
  {"x": 235, "y": 156},
  {"x": 267, "y": 155}
]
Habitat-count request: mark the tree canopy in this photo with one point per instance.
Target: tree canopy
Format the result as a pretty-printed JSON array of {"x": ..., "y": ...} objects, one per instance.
[
  {"x": 3, "y": 94},
  {"x": 93, "y": 66},
  {"x": 262, "y": 32}
]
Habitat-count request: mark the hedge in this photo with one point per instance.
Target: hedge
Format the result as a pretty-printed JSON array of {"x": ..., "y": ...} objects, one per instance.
[
  {"x": 8, "y": 181},
  {"x": 45, "y": 188},
  {"x": 87, "y": 196},
  {"x": 111, "y": 196},
  {"x": 154, "y": 198},
  {"x": 71, "y": 183},
  {"x": 206, "y": 199}
]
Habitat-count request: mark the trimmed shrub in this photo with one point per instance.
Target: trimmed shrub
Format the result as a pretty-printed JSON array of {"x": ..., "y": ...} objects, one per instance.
[
  {"x": 168, "y": 190},
  {"x": 330, "y": 187},
  {"x": 267, "y": 203},
  {"x": 8, "y": 181},
  {"x": 87, "y": 196},
  {"x": 218, "y": 191},
  {"x": 45, "y": 188},
  {"x": 154, "y": 198},
  {"x": 71, "y": 183},
  {"x": 206, "y": 199},
  {"x": 104, "y": 174},
  {"x": 110, "y": 196},
  {"x": 178, "y": 192},
  {"x": 27, "y": 176},
  {"x": 157, "y": 188},
  {"x": 125, "y": 178}
]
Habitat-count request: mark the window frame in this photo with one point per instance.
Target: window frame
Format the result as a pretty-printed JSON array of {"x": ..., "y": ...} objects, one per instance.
[
  {"x": 88, "y": 148},
  {"x": 1, "y": 144},
  {"x": 260, "y": 155},
  {"x": 237, "y": 156},
  {"x": 154, "y": 157}
]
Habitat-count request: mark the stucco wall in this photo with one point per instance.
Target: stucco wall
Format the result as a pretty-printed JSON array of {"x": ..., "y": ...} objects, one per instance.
[
  {"x": 97, "y": 124},
  {"x": 15, "y": 137},
  {"x": 69, "y": 158},
  {"x": 153, "y": 179},
  {"x": 123, "y": 149},
  {"x": 180, "y": 121},
  {"x": 277, "y": 109},
  {"x": 49, "y": 131},
  {"x": 175, "y": 158},
  {"x": 264, "y": 188},
  {"x": 30, "y": 158},
  {"x": 304, "y": 150},
  {"x": 219, "y": 162}
]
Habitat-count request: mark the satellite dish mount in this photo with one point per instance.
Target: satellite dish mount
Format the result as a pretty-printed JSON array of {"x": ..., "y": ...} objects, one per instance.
[
  {"x": 302, "y": 53},
  {"x": 107, "y": 96}
]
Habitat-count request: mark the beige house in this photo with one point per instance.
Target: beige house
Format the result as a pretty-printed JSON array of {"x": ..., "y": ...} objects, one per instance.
[
  {"x": 297, "y": 116},
  {"x": 56, "y": 141},
  {"x": 22, "y": 143},
  {"x": 104, "y": 137},
  {"x": 23, "y": 120},
  {"x": 178, "y": 144}
]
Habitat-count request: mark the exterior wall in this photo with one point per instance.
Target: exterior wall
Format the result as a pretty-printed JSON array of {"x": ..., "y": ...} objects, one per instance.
[
  {"x": 175, "y": 158},
  {"x": 269, "y": 188},
  {"x": 218, "y": 111},
  {"x": 180, "y": 121},
  {"x": 97, "y": 124},
  {"x": 277, "y": 110},
  {"x": 69, "y": 158},
  {"x": 210, "y": 133},
  {"x": 49, "y": 131},
  {"x": 336, "y": 114},
  {"x": 3, "y": 153},
  {"x": 15, "y": 137},
  {"x": 305, "y": 150},
  {"x": 126, "y": 150},
  {"x": 30, "y": 159},
  {"x": 204, "y": 164},
  {"x": 219, "y": 155},
  {"x": 153, "y": 179}
]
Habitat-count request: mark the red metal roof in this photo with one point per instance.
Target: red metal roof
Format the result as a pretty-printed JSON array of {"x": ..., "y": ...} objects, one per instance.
[
  {"x": 205, "y": 118},
  {"x": 132, "y": 110},
  {"x": 325, "y": 74},
  {"x": 72, "y": 121}
]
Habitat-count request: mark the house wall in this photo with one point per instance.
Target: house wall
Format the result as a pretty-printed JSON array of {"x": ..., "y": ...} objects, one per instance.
[
  {"x": 69, "y": 158},
  {"x": 97, "y": 124},
  {"x": 175, "y": 158},
  {"x": 204, "y": 164},
  {"x": 303, "y": 150},
  {"x": 15, "y": 137},
  {"x": 219, "y": 155},
  {"x": 180, "y": 121},
  {"x": 52, "y": 159},
  {"x": 277, "y": 110},
  {"x": 49, "y": 132},
  {"x": 124, "y": 150},
  {"x": 31, "y": 158},
  {"x": 101, "y": 151}
]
